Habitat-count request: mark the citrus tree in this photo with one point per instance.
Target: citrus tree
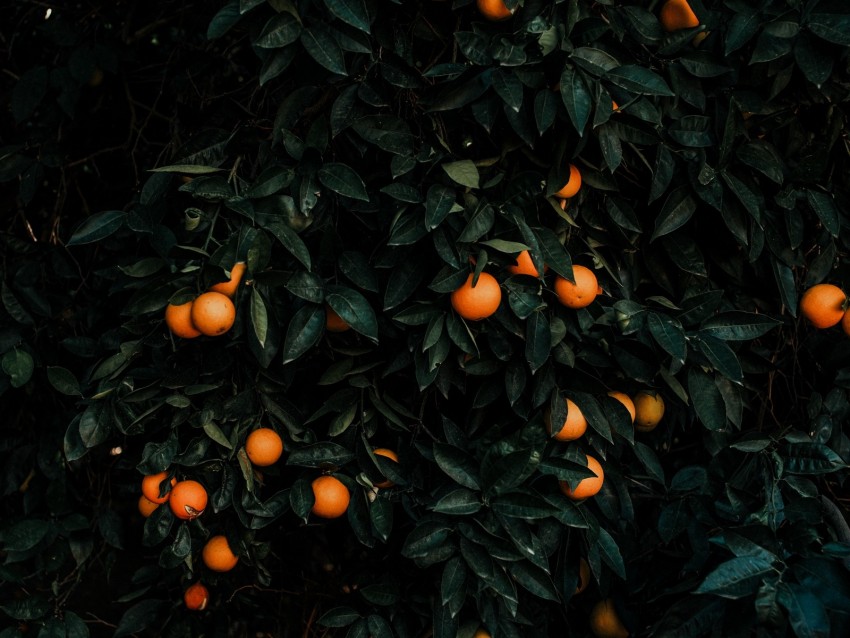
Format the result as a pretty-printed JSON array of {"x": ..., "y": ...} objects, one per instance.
[{"x": 411, "y": 318}]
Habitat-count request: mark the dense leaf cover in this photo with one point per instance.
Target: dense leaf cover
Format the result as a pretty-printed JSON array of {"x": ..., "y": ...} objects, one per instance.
[{"x": 366, "y": 156}]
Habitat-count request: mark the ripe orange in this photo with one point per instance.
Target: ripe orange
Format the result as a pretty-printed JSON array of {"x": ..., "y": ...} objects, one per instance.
[
  {"x": 178, "y": 318},
  {"x": 583, "y": 576},
  {"x": 478, "y": 302},
  {"x": 572, "y": 186},
  {"x": 586, "y": 487},
  {"x": 188, "y": 500},
  {"x": 677, "y": 14},
  {"x": 494, "y": 10},
  {"x": 196, "y": 597},
  {"x": 382, "y": 451},
  {"x": 524, "y": 265},
  {"x": 482, "y": 633},
  {"x": 229, "y": 287},
  {"x": 574, "y": 425},
  {"x": 264, "y": 447},
  {"x": 150, "y": 487},
  {"x": 626, "y": 400},
  {"x": 823, "y": 305},
  {"x": 614, "y": 105},
  {"x": 146, "y": 507},
  {"x": 332, "y": 497},
  {"x": 213, "y": 313},
  {"x": 649, "y": 408},
  {"x": 582, "y": 292},
  {"x": 218, "y": 556},
  {"x": 845, "y": 323},
  {"x": 604, "y": 621},
  {"x": 333, "y": 322}
]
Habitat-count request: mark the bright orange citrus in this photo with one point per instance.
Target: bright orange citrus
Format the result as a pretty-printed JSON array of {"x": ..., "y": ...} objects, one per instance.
[
  {"x": 213, "y": 313},
  {"x": 649, "y": 408},
  {"x": 823, "y": 305},
  {"x": 230, "y": 287},
  {"x": 478, "y": 302},
  {"x": 524, "y": 265},
  {"x": 677, "y": 14},
  {"x": 583, "y": 576},
  {"x": 264, "y": 447},
  {"x": 574, "y": 425},
  {"x": 196, "y": 597},
  {"x": 845, "y": 323},
  {"x": 178, "y": 318},
  {"x": 586, "y": 487},
  {"x": 581, "y": 293},
  {"x": 626, "y": 400},
  {"x": 150, "y": 487},
  {"x": 146, "y": 507},
  {"x": 604, "y": 621},
  {"x": 571, "y": 188},
  {"x": 332, "y": 497},
  {"x": 482, "y": 633},
  {"x": 494, "y": 9},
  {"x": 333, "y": 322},
  {"x": 218, "y": 556},
  {"x": 188, "y": 500},
  {"x": 382, "y": 451}
]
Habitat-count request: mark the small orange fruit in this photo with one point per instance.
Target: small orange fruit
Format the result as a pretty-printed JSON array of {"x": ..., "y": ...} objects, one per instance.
[
  {"x": 482, "y": 633},
  {"x": 574, "y": 425},
  {"x": 213, "y": 313},
  {"x": 586, "y": 487},
  {"x": 264, "y": 447},
  {"x": 614, "y": 105},
  {"x": 626, "y": 400},
  {"x": 649, "y": 408},
  {"x": 150, "y": 487},
  {"x": 333, "y": 322},
  {"x": 196, "y": 597},
  {"x": 823, "y": 305},
  {"x": 524, "y": 265},
  {"x": 479, "y": 301},
  {"x": 146, "y": 507},
  {"x": 572, "y": 186},
  {"x": 583, "y": 576},
  {"x": 332, "y": 497},
  {"x": 382, "y": 451},
  {"x": 845, "y": 323},
  {"x": 604, "y": 621},
  {"x": 178, "y": 318},
  {"x": 495, "y": 10},
  {"x": 581, "y": 293},
  {"x": 188, "y": 500},
  {"x": 677, "y": 14},
  {"x": 217, "y": 554},
  {"x": 230, "y": 286}
]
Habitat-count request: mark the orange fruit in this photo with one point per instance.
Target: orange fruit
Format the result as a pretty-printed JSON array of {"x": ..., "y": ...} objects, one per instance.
[
  {"x": 845, "y": 323},
  {"x": 677, "y": 14},
  {"x": 178, "y": 318},
  {"x": 524, "y": 265},
  {"x": 823, "y": 305},
  {"x": 583, "y": 576},
  {"x": 574, "y": 425},
  {"x": 217, "y": 554},
  {"x": 213, "y": 313},
  {"x": 478, "y": 302},
  {"x": 581, "y": 293},
  {"x": 382, "y": 451},
  {"x": 196, "y": 597},
  {"x": 586, "y": 487},
  {"x": 649, "y": 408},
  {"x": 494, "y": 9},
  {"x": 332, "y": 497},
  {"x": 604, "y": 621},
  {"x": 188, "y": 500},
  {"x": 482, "y": 633},
  {"x": 146, "y": 506},
  {"x": 333, "y": 322},
  {"x": 626, "y": 400},
  {"x": 150, "y": 487},
  {"x": 230, "y": 286},
  {"x": 572, "y": 186},
  {"x": 614, "y": 105},
  {"x": 264, "y": 447}
]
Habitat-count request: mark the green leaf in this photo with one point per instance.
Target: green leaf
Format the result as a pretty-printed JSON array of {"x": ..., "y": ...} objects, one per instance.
[
  {"x": 338, "y": 617},
  {"x": 668, "y": 334},
  {"x": 324, "y": 49},
  {"x": 317, "y": 455},
  {"x": 306, "y": 285},
  {"x": 32, "y": 607},
  {"x": 810, "y": 459},
  {"x": 576, "y": 98},
  {"x": 304, "y": 331},
  {"x": 281, "y": 30},
  {"x": 638, "y": 79},
  {"x": 352, "y": 12},
  {"x": 344, "y": 180},
  {"x": 463, "y": 172},
  {"x": 737, "y": 577},
  {"x": 98, "y": 226},
  {"x": 610, "y": 552},
  {"x": 18, "y": 364},
  {"x": 224, "y": 20},
  {"x": 707, "y": 400},
  {"x": 825, "y": 209},
  {"x": 721, "y": 356},
  {"x": 534, "y": 580},
  {"x": 832, "y": 27},
  {"x": 457, "y": 464},
  {"x": 354, "y": 310},
  {"x": 438, "y": 204},
  {"x": 739, "y": 326},
  {"x": 28, "y": 92},
  {"x": 460, "y": 501},
  {"x": 545, "y": 109},
  {"x": 292, "y": 242},
  {"x": 259, "y": 317},
  {"x": 24, "y": 535},
  {"x": 214, "y": 432},
  {"x": 678, "y": 208}
]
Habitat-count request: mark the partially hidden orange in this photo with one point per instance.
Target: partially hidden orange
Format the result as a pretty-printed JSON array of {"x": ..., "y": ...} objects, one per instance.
[
  {"x": 581, "y": 293},
  {"x": 823, "y": 305},
  {"x": 333, "y": 322},
  {"x": 150, "y": 487},
  {"x": 230, "y": 286},
  {"x": 604, "y": 621},
  {"x": 188, "y": 500},
  {"x": 524, "y": 265},
  {"x": 571, "y": 188},
  {"x": 146, "y": 507},
  {"x": 389, "y": 454},
  {"x": 583, "y": 576},
  {"x": 213, "y": 313},
  {"x": 217, "y": 554},
  {"x": 495, "y": 10},
  {"x": 586, "y": 487},
  {"x": 677, "y": 14},
  {"x": 626, "y": 400},
  {"x": 331, "y": 497},
  {"x": 178, "y": 318},
  {"x": 479, "y": 301},
  {"x": 575, "y": 425}
]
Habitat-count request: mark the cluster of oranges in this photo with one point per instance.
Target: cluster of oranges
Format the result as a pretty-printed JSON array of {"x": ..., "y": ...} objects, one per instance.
[
  {"x": 825, "y": 306},
  {"x": 211, "y": 313},
  {"x": 187, "y": 499}
]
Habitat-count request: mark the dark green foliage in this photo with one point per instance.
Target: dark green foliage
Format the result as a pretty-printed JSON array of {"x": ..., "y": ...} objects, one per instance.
[{"x": 364, "y": 157}]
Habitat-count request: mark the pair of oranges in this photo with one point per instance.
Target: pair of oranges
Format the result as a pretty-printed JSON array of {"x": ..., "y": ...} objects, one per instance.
[
  {"x": 331, "y": 496},
  {"x": 211, "y": 313},
  {"x": 646, "y": 409},
  {"x": 187, "y": 499},
  {"x": 825, "y": 306}
]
